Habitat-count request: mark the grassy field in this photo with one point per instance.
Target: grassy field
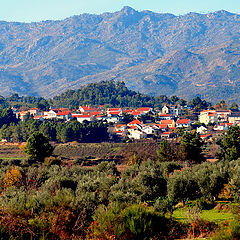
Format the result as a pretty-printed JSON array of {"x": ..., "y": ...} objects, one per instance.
[
  {"x": 11, "y": 152},
  {"x": 213, "y": 215}
]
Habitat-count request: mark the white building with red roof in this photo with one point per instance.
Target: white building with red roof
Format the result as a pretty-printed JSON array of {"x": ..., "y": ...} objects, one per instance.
[
  {"x": 208, "y": 116},
  {"x": 135, "y": 122},
  {"x": 66, "y": 115},
  {"x": 115, "y": 111},
  {"x": 183, "y": 123},
  {"x": 35, "y": 111},
  {"x": 84, "y": 117},
  {"x": 87, "y": 109},
  {"x": 145, "y": 109},
  {"x": 170, "y": 123}
]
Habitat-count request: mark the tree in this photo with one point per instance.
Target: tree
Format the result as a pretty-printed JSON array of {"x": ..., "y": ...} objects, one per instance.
[
  {"x": 38, "y": 147},
  {"x": 191, "y": 145},
  {"x": 198, "y": 104},
  {"x": 127, "y": 118},
  {"x": 230, "y": 144},
  {"x": 165, "y": 152},
  {"x": 234, "y": 107},
  {"x": 174, "y": 99}
]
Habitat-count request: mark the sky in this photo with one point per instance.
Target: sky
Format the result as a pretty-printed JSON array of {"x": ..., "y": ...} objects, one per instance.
[{"x": 39, "y": 10}]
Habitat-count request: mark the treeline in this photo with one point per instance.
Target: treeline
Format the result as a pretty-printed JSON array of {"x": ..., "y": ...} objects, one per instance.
[
  {"x": 55, "y": 131},
  {"x": 107, "y": 93}
]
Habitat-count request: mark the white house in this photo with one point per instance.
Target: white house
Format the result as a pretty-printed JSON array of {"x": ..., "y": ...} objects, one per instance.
[
  {"x": 208, "y": 116},
  {"x": 176, "y": 110},
  {"x": 82, "y": 117},
  {"x": 183, "y": 123},
  {"x": 201, "y": 130}
]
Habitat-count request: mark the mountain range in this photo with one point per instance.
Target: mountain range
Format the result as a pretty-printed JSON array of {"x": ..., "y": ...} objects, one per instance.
[{"x": 154, "y": 53}]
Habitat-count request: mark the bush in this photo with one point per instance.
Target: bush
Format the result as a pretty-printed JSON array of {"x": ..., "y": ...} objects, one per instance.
[{"x": 132, "y": 222}]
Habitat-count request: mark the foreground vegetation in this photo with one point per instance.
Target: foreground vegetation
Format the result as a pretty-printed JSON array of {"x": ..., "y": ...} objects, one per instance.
[{"x": 52, "y": 200}]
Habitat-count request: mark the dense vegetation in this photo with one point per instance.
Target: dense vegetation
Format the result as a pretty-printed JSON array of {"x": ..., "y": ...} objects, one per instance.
[
  {"x": 52, "y": 199},
  {"x": 107, "y": 93},
  {"x": 56, "y": 131}
]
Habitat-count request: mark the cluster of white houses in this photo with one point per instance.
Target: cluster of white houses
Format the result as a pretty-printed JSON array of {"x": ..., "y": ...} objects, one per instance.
[{"x": 168, "y": 119}]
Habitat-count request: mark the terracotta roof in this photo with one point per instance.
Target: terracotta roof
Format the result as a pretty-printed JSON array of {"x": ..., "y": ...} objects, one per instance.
[
  {"x": 87, "y": 108},
  {"x": 118, "y": 131},
  {"x": 63, "y": 113},
  {"x": 128, "y": 111},
  {"x": 114, "y": 112},
  {"x": 120, "y": 125},
  {"x": 143, "y": 109},
  {"x": 114, "y": 109},
  {"x": 81, "y": 115},
  {"x": 163, "y": 126},
  {"x": 23, "y": 113},
  {"x": 165, "y": 115},
  {"x": 136, "y": 113},
  {"x": 167, "y": 133},
  {"x": 132, "y": 127},
  {"x": 183, "y": 121},
  {"x": 37, "y": 117},
  {"x": 211, "y": 114},
  {"x": 166, "y": 122},
  {"x": 95, "y": 113},
  {"x": 205, "y": 135},
  {"x": 33, "y": 109},
  {"x": 136, "y": 121},
  {"x": 224, "y": 124}
]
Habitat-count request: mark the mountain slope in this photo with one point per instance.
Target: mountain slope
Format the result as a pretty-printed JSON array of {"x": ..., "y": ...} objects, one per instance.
[{"x": 153, "y": 53}]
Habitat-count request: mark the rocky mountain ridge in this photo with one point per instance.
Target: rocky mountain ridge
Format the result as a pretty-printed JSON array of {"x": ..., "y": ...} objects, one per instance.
[{"x": 189, "y": 55}]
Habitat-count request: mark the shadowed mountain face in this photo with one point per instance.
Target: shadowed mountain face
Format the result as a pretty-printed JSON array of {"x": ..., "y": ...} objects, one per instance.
[{"x": 189, "y": 55}]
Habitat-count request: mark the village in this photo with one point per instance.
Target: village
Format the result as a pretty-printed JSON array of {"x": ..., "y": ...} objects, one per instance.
[{"x": 144, "y": 122}]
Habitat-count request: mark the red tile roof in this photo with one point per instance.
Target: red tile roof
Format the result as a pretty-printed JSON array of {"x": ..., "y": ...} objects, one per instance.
[
  {"x": 224, "y": 124},
  {"x": 165, "y": 115},
  {"x": 136, "y": 113},
  {"x": 114, "y": 109},
  {"x": 81, "y": 115},
  {"x": 166, "y": 122},
  {"x": 95, "y": 113},
  {"x": 114, "y": 112},
  {"x": 120, "y": 125},
  {"x": 63, "y": 113},
  {"x": 205, "y": 135},
  {"x": 163, "y": 126},
  {"x": 132, "y": 127},
  {"x": 144, "y": 109},
  {"x": 128, "y": 111},
  {"x": 183, "y": 121},
  {"x": 118, "y": 131},
  {"x": 87, "y": 108},
  {"x": 37, "y": 117},
  {"x": 167, "y": 133},
  {"x": 136, "y": 121}
]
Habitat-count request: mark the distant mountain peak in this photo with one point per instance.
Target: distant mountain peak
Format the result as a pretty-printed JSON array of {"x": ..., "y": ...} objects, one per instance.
[
  {"x": 128, "y": 10},
  {"x": 223, "y": 12}
]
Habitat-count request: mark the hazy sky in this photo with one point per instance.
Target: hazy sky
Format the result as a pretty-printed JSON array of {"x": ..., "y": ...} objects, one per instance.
[{"x": 37, "y": 10}]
